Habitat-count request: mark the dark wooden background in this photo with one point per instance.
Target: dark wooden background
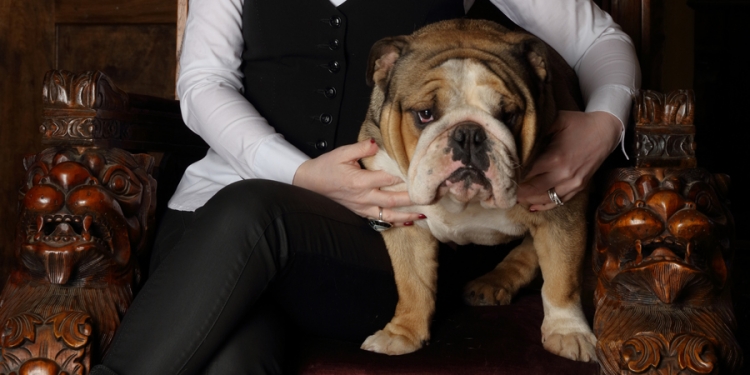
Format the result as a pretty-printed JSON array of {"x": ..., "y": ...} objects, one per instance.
[{"x": 133, "y": 41}]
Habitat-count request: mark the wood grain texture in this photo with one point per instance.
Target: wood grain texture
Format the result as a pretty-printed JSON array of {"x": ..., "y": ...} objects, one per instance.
[
  {"x": 116, "y": 11},
  {"x": 26, "y": 53},
  {"x": 133, "y": 41},
  {"x": 643, "y": 20},
  {"x": 140, "y": 58},
  {"x": 182, "y": 13}
]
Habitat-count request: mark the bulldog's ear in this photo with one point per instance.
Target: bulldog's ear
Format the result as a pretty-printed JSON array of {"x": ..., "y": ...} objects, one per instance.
[
  {"x": 383, "y": 56},
  {"x": 536, "y": 53}
]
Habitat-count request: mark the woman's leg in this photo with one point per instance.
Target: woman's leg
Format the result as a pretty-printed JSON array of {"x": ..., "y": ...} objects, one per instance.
[
  {"x": 261, "y": 344},
  {"x": 327, "y": 269}
]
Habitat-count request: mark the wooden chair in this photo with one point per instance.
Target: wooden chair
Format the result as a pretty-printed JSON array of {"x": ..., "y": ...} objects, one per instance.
[{"x": 658, "y": 292}]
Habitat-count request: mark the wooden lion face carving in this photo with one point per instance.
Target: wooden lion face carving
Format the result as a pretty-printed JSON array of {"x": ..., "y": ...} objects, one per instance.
[
  {"x": 662, "y": 258},
  {"x": 654, "y": 221},
  {"x": 84, "y": 214}
]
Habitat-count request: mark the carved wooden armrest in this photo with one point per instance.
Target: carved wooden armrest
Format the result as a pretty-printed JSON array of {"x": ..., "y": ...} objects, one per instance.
[
  {"x": 662, "y": 253},
  {"x": 86, "y": 215},
  {"x": 89, "y": 110}
]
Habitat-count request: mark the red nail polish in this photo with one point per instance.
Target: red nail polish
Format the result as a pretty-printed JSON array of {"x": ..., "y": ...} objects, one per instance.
[
  {"x": 372, "y": 140},
  {"x": 422, "y": 216},
  {"x": 408, "y": 223}
]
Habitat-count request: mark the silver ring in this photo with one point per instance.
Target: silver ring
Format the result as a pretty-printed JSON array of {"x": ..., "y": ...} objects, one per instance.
[
  {"x": 379, "y": 224},
  {"x": 554, "y": 198}
]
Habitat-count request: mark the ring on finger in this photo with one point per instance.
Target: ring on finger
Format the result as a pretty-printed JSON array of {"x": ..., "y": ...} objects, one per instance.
[
  {"x": 554, "y": 198},
  {"x": 379, "y": 224}
]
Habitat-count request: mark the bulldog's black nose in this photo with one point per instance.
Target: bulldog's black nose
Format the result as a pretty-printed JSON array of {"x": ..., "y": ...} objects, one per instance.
[{"x": 469, "y": 144}]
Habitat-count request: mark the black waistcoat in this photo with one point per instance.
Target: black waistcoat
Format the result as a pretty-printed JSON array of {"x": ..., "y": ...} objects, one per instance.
[{"x": 305, "y": 61}]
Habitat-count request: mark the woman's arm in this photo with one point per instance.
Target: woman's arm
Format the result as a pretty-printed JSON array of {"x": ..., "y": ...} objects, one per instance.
[
  {"x": 604, "y": 59},
  {"x": 210, "y": 91}
]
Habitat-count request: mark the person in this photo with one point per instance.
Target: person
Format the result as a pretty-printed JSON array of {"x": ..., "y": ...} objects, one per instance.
[{"x": 268, "y": 233}]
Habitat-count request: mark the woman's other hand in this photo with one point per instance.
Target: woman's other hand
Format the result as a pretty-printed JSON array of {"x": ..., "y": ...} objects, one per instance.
[
  {"x": 338, "y": 175},
  {"x": 580, "y": 143}
]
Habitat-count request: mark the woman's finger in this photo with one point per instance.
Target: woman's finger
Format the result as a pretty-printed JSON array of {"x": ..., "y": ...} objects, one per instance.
[
  {"x": 356, "y": 151},
  {"x": 378, "y": 179},
  {"x": 389, "y": 199},
  {"x": 395, "y": 217}
]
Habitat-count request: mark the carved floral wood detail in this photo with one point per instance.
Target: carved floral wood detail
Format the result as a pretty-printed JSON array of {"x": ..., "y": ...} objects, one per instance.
[
  {"x": 665, "y": 134},
  {"x": 85, "y": 216},
  {"x": 663, "y": 256},
  {"x": 75, "y": 107},
  {"x": 87, "y": 109},
  {"x": 27, "y": 340}
]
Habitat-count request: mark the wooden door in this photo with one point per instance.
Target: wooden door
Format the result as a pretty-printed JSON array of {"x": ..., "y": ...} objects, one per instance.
[{"x": 132, "y": 41}]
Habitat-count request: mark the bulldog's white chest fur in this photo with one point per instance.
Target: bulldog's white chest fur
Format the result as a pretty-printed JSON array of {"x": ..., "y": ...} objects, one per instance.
[{"x": 451, "y": 221}]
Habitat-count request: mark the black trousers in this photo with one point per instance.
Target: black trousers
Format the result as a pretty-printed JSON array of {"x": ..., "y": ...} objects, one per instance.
[{"x": 259, "y": 261}]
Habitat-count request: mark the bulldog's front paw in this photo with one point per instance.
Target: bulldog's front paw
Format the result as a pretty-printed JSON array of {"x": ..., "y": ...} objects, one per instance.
[
  {"x": 485, "y": 292},
  {"x": 387, "y": 342},
  {"x": 570, "y": 340}
]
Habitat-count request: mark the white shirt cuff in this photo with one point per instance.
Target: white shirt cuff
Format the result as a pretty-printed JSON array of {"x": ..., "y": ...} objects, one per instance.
[
  {"x": 276, "y": 159},
  {"x": 616, "y": 100}
]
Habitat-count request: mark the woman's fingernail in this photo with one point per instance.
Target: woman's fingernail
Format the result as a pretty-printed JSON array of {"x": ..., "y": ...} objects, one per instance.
[
  {"x": 532, "y": 210},
  {"x": 408, "y": 223},
  {"x": 372, "y": 140},
  {"x": 422, "y": 216}
]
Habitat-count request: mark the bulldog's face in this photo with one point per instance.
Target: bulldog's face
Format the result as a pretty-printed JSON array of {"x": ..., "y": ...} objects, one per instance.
[{"x": 459, "y": 112}]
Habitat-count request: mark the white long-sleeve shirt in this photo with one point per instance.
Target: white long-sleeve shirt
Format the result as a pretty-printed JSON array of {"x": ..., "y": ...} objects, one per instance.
[{"x": 242, "y": 143}]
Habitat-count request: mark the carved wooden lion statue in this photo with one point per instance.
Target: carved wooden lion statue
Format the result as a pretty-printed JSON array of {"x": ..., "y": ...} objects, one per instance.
[
  {"x": 84, "y": 215},
  {"x": 662, "y": 258}
]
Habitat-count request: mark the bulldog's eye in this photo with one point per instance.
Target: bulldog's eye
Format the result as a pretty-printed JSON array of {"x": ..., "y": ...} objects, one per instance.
[
  {"x": 425, "y": 116},
  {"x": 510, "y": 119}
]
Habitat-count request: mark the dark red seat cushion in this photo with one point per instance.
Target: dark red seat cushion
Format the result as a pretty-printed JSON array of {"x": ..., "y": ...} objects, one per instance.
[{"x": 494, "y": 340}]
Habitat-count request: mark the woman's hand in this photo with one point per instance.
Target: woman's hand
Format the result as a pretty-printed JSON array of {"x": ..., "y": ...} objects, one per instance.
[
  {"x": 580, "y": 143},
  {"x": 338, "y": 175}
]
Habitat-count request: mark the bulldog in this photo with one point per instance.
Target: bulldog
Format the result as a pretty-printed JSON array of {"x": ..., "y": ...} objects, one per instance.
[{"x": 459, "y": 110}]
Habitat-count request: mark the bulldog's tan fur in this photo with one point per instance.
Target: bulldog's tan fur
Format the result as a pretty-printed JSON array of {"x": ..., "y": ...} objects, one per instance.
[{"x": 459, "y": 110}]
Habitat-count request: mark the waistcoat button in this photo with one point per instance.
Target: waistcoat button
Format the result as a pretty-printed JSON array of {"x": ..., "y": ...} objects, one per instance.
[
  {"x": 334, "y": 66},
  {"x": 321, "y": 145},
  {"x": 330, "y": 92},
  {"x": 334, "y": 44},
  {"x": 325, "y": 118},
  {"x": 335, "y": 21}
]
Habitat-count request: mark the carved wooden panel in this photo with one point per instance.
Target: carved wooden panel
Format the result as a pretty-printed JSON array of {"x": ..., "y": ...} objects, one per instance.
[
  {"x": 643, "y": 20},
  {"x": 26, "y": 53},
  {"x": 115, "y": 11},
  {"x": 133, "y": 55},
  {"x": 86, "y": 215},
  {"x": 664, "y": 133},
  {"x": 133, "y": 40},
  {"x": 663, "y": 254}
]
